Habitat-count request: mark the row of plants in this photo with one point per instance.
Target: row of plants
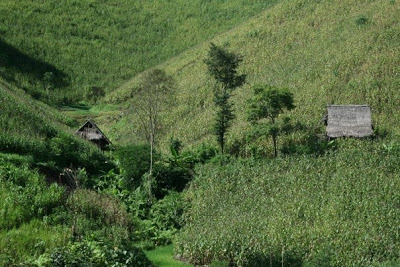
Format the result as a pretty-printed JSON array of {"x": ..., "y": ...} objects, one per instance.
[{"x": 341, "y": 209}]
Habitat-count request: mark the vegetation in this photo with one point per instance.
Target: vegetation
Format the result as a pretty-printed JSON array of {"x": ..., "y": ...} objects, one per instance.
[
  {"x": 163, "y": 256},
  {"x": 340, "y": 209},
  {"x": 268, "y": 103},
  {"x": 223, "y": 65},
  {"x": 314, "y": 49},
  {"x": 100, "y": 44},
  {"x": 317, "y": 203},
  {"x": 150, "y": 100}
]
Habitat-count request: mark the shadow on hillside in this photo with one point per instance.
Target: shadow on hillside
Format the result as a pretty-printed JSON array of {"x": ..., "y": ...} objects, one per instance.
[{"x": 13, "y": 60}]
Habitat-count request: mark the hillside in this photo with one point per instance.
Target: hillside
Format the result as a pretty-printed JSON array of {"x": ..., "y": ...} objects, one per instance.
[
  {"x": 96, "y": 43},
  {"x": 325, "y": 52},
  {"x": 341, "y": 209},
  {"x": 63, "y": 202},
  {"x": 33, "y": 129}
]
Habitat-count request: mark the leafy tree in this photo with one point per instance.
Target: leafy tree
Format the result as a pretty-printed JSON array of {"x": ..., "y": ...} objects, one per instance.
[
  {"x": 223, "y": 65},
  {"x": 266, "y": 105},
  {"x": 150, "y": 100}
]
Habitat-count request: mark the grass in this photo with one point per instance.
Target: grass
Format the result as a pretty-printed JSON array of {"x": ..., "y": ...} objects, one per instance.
[
  {"x": 80, "y": 113},
  {"x": 104, "y": 43},
  {"x": 340, "y": 209},
  {"x": 315, "y": 49},
  {"x": 163, "y": 257}
]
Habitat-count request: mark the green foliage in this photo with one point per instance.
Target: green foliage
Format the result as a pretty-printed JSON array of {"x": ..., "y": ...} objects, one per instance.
[
  {"x": 223, "y": 67},
  {"x": 68, "y": 151},
  {"x": 94, "y": 253},
  {"x": 340, "y": 209},
  {"x": 25, "y": 195},
  {"x": 24, "y": 245},
  {"x": 167, "y": 177},
  {"x": 162, "y": 222},
  {"x": 268, "y": 103},
  {"x": 166, "y": 213},
  {"x": 102, "y": 44},
  {"x": 134, "y": 161}
]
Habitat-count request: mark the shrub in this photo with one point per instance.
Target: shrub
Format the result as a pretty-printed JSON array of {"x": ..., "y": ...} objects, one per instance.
[
  {"x": 166, "y": 178},
  {"x": 98, "y": 207},
  {"x": 25, "y": 195},
  {"x": 93, "y": 253},
  {"x": 28, "y": 242},
  {"x": 166, "y": 214},
  {"x": 134, "y": 161}
]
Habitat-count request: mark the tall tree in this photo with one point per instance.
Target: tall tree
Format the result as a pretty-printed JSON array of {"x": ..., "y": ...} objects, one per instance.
[
  {"x": 267, "y": 103},
  {"x": 151, "y": 99},
  {"x": 223, "y": 67}
]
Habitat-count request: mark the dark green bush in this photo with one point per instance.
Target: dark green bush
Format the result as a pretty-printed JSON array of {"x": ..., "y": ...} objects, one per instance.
[
  {"x": 68, "y": 151},
  {"x": 166, "y": 214},
  {"x": 163, "y": 221},
  {"x": 134, "y": 161},
  {"x": 166, "y": 178}
]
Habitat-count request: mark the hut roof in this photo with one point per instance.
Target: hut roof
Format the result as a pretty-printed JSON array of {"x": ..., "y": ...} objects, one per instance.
[
  {"x": 91, "y": 132},
  {"x": 349, "y": 120}
]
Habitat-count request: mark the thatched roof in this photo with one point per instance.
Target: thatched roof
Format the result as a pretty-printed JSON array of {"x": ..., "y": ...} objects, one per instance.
[
  {"x": 91, "y": 132},
  {"x": 349, "y": 120}
]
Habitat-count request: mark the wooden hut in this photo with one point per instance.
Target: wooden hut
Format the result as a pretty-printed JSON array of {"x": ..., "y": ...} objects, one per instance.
[
  {"x": 91, "y": 132},
  {"x": 348, "y": 121}
]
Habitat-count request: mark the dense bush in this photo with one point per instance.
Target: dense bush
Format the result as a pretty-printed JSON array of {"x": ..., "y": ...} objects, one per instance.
[
  {"x": 105, "y": 210},
  {"x": 25, "y": 195},
  {"x": 166, "y": 178},
  {"x": 163, "y": 220},
  {"x": 23, "y": 246},
  {"x": 68, "y": 151},
  {"x": 340, "y": 209},
  {"x": 94, "y": 253},
  {"x": 134, "y": 161}
]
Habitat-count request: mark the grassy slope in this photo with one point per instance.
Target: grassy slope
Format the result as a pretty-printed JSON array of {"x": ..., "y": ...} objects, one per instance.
[
  {"x": 22, "y": 116},
  {"x": 104, "y": 43},
  {"x": 326, "y": 52}
]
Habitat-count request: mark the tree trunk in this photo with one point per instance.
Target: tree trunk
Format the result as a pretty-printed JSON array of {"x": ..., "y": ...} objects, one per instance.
[{"x": 275, "y": 148}]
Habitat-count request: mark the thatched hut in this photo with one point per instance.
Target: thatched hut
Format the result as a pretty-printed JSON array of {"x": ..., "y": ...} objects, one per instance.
[
  {"x": 91, "y": 132},
  {"x": 348, "y": 121}
]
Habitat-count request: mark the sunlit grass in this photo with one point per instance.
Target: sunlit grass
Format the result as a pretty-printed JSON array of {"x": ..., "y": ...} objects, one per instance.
[
  {"x": 315, "y": 49},
  {"x": 163, "y": 257}
]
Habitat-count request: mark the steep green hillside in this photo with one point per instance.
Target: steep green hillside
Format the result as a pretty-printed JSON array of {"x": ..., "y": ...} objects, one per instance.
[
  {"x": 30, "y": 127},
  {"x": 325, "y": 52},
  {"x": 96, "y": 43}
]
